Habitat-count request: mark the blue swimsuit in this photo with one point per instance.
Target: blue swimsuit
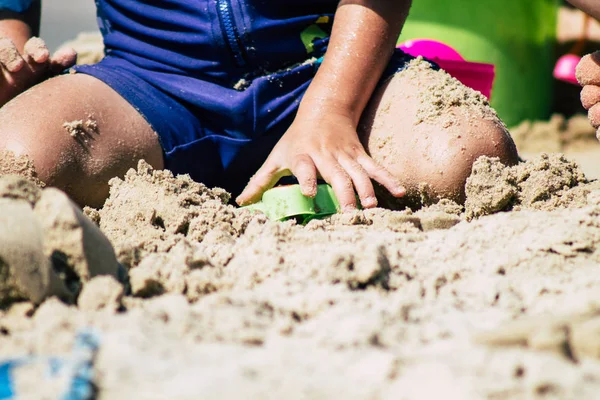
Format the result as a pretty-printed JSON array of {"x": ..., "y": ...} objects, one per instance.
[
  {"x": 15, "y": 5},
  {"x": 218, "y": 80}
]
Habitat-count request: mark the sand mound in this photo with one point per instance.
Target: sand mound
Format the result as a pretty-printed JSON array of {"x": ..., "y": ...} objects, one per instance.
[
  {"x": 545, "y": 183},
  {"x": 374, "y": 304},
  {"x": 47, "y": 246}
]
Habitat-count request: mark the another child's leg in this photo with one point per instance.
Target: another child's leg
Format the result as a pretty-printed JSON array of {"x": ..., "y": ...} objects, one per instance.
[
  {"x": 428, "y": 130},
  {"x": 79, "y": 133},
  {"x": 588, "y": 75}
]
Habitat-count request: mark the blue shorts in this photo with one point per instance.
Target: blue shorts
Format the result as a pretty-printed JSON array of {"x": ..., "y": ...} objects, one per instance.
[{"x": 200, "y": 74}]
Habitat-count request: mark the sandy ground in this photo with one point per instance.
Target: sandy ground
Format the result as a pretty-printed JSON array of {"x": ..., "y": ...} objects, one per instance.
[
  {"x": 494, "y": 300},
  {"x": 377, "y": 304},
  {"x": 574, "y": 137},
  {"x": 193, "y": 298}
]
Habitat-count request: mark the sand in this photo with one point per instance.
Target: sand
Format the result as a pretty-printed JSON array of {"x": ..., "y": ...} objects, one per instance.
[
  {"x": 89, "y": 47},
  {"x": 9, "y": 56},
  {"x": 495, "y": 300},
  {"x": 47, "y": 247}
]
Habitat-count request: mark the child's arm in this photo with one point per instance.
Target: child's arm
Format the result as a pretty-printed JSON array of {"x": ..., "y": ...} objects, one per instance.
[
  {"x": 323, "y": 140},
  {"x": 19, "y": 20},
  {"x": 591, "y": 7},
  {"x": 25, "y": 62}
]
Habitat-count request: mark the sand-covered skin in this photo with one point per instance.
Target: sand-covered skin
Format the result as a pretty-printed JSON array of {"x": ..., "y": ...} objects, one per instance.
[
  {"x": 9, "y": 56},
  {"x": 427, "y": 129},
  {"x": 82, "y": 131},
  {"x": 438, "y": 99},
  {"x": 37, "y": 49},
  {"x": 371, "y": 305}
]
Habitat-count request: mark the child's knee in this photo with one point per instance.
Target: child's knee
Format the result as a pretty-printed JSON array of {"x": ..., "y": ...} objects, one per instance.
[
  {"x": 475, "y": 138},
  {"x": 430, "y": 142},
  {"x": 24, "y": 134}
]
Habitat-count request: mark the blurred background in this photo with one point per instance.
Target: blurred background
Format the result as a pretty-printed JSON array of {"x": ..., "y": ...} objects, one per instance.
[{"x": 62, "y": 20}]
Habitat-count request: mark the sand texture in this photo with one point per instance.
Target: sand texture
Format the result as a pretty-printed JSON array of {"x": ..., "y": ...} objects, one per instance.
[
  {"x": 556, "y": 135},
  {"x": 448, "y": 302},
  {"x": 48, "y": 247},
  {"x": 89, "y": 47}
]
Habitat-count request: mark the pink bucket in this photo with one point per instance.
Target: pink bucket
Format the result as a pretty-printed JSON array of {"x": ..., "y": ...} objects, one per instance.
[
  {"x": 566, "y": 67},
  {"x": 478, "y": 76}
]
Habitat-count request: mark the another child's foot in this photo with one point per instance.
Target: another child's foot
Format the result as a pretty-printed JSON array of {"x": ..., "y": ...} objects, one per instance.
[{"x": 588, "y": 75}]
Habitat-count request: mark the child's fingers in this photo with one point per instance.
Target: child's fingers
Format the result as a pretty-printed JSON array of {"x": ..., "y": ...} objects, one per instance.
[
  {"x": 303, "y": 168},
  {"x": 37, "y": 56},
  {"x": 264, "y": 179},
  {"x": 594, "y": 115},
  {"x": 63, "y": 59},
  {"x": 10, "y": 58},
  {"x": 361, "y": 180},
  {"x": 382, "y": 176},
  {"x": 36, "y": 51},
  {"x": 588, "y": 70},
  {"x": 340, "y": 181},
  {"x": 590, "y": 96}
]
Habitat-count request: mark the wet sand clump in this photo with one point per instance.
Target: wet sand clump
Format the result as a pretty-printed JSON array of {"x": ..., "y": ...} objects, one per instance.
[{"x": 545, "y": 183}]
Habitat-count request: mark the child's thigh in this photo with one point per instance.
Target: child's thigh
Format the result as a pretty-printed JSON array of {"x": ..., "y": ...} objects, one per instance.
[
  {"x": 427, "y": 128},
  {"x": 79, "y": 133}
]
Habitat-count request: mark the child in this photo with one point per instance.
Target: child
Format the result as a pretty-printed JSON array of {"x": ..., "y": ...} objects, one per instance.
[
  {"x": 216, "y": 88},
  {"x": 588, "y": 70}
]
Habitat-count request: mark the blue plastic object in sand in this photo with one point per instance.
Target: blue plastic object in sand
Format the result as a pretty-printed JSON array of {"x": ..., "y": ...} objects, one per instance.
[{"x": 77, "y": 369}]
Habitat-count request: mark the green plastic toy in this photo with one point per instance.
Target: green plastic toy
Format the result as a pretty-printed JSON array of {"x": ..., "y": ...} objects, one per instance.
[{"x": 286, "y": 202}]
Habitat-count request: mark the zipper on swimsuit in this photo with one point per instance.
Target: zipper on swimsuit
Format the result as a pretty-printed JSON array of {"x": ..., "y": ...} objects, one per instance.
[{"x": 231, "y": 34}]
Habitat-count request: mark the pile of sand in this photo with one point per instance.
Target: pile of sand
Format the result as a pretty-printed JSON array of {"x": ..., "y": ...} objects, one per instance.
[
  {"x": 47, "y": 245},
  {"x": 556, "y": 135},
  {"x": 375, "y": 304}
]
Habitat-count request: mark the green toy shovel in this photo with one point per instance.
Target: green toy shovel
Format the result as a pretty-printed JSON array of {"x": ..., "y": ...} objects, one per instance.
[{"x": 286, "y": 202}]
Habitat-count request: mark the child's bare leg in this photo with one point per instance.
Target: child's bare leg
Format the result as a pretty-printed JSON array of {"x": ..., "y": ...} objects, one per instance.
[
  {"x": 414, "y": 127},
  {"x": 104, "y": 135}
]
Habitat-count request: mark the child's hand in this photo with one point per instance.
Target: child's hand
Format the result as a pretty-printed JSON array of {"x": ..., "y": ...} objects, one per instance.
[
  {"x": 590, "y": 7},
  {"x": 323, "y": 141},
  {"x": 21, "y": 70},
  {"x": 588, "y": 75},
  {"x": 327, "y": 146}
]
